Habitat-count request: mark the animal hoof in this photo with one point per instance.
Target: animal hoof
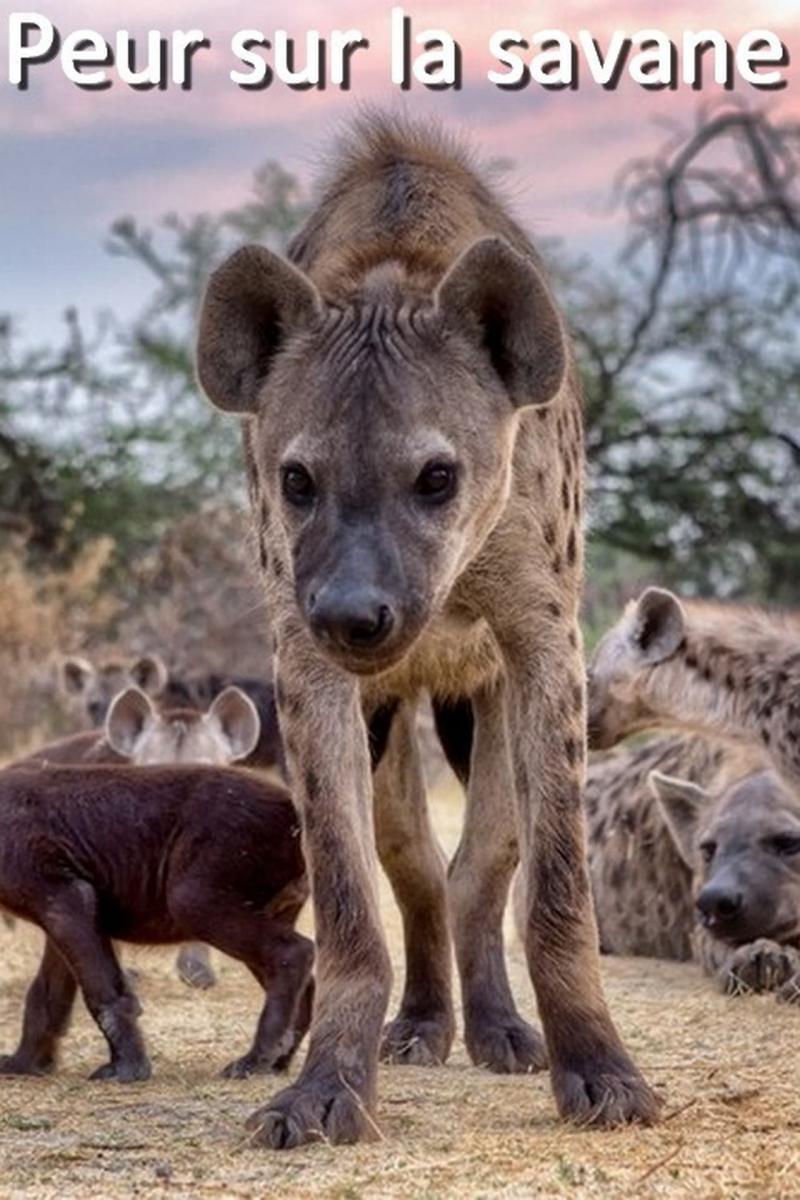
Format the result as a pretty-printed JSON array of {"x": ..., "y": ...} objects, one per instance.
[
  {"x": 509, "y": 1046},
  {"x": 123, "y": 1072},
  {"x": 604, "y": 1089},
  {"x": 312, "y": 1112},
  {"x": 195, "y": 973},
  {"x": 417, "y": 1043}
]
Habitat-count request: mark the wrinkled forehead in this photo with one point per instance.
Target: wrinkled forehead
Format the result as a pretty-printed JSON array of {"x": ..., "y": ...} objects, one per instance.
[{"x": 375, "y": 376}]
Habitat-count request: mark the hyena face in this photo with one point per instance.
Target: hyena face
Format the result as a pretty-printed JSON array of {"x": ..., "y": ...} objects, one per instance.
[
  {"x": 139, "y": 732},
  {"x": 384, "y": 429},
  {"x": 744, "y": 851},
  {"x": 650, "y": 631},
  {"x": 94, "y": 687}
]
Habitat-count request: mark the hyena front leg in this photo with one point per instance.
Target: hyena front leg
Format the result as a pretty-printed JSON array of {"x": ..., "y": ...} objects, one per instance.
[
  {"x": 422, "y": 1032},
  {"x": 593, "y": 1077},
  {"x": 495, "y": 1033},
  {"x": 326, "y": 744}
]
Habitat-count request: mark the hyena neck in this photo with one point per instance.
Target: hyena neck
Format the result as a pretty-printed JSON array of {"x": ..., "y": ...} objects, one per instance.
[{"x": 740, "y": 684}]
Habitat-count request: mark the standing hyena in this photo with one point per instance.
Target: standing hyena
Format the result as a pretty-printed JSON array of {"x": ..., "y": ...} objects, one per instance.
[{"x": 414, "y": 449}]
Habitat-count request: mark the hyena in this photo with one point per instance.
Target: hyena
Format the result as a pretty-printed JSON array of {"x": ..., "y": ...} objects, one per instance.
[
  {"x": 641, "y": 882},
  {"x": 413, "y": 437},
  {"x": 138, "y": 732},
  {"x": 154, "y": 856},
  {"x": 742, "y": 847},
  {"x": 92, "y": 687},
  {"x": 720, "y": 670}
]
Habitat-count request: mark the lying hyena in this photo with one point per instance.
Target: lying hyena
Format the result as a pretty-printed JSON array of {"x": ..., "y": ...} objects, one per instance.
[
  {"x": 729, "y": 673},
  {"x": 641, "y": 882},
  {"x": 723, "y": 671},
  {"x": 414, "y": 450},
  {"x": 139, "y": 733},
  {"x": 743, "y": 850}
]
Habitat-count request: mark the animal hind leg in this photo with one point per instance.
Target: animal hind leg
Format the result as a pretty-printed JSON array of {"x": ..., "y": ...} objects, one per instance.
[
  {"x": 422, "y": 1032},
  {"x": 71, "y": 924},
  {"x": 48, "y": 1007},
  {"x": 279, "y": 958},
  {"x": 496, "y": 1035},
  {"x": 194, "y": 966}
]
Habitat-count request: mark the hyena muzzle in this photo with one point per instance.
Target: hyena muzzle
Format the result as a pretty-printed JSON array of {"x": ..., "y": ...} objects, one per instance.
[{"x": 413, "y": 439}]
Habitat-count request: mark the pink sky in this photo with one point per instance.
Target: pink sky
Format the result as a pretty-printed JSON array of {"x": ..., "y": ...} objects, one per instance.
[{"x": 78, "y": 159}]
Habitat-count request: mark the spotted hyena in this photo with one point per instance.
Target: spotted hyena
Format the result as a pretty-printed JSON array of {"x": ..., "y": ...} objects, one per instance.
[
  {"x": 641, "y": 883},
  {"x": 91, "y": 687},
  {"x": 719, "y": 670},
  {"x": 413, "y": 434},
  {"x": 742, "y": 847}
]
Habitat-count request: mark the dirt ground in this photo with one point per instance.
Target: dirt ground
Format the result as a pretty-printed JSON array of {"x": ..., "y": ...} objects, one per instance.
[{"x": 728, "y": 1069}]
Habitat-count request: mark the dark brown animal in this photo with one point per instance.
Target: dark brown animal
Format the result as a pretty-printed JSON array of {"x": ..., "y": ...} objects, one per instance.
[
  {"x": 742, "y": 847},
  {"x": 152, "y": 855},
  {"x": 413, "y": 435},
  {"x": 138, "y": 732}
]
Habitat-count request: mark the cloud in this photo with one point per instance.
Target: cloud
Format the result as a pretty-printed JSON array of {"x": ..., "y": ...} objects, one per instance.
[{"x": 76, "y": 159}]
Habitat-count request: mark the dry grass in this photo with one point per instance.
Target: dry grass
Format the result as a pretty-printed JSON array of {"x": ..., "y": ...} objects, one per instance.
[{"x": 728, "y": 1070}]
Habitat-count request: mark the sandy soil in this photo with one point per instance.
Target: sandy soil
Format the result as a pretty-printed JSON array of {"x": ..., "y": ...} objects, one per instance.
[{"x": 728, "y": 1069}]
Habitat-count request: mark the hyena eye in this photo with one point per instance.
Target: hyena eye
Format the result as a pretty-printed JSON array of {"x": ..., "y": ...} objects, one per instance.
[
  {"x": 708, "y": 850},
  {"x": 297, "y": 485},
  {"x": 436, "y": 482},
  {"x": 785, "y": 844}
]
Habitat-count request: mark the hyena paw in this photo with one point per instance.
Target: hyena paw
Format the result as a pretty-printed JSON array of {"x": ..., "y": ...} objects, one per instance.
[
  {"x": 604, "y": 1088},
  {"x": 789, "y": 993},
  {"x": 506, "y": 1045},
  {"x": 418, "y": 1041},
  {"x": 131, "y": 1071},
  {"x": 195, "y": 970},
  {"x": 315, "y": 1111},
  {"x": 258, "y": 1064},
  {"x": 760, "y": 966},
  {"x": 15, "y": 1064}
]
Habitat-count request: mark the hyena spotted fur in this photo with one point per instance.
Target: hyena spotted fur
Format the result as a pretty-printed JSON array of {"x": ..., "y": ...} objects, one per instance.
[
  {"x": 730, "y": 826},
  {"x": 720, "y": 670},
  {"x": 642, "y": 882},
  {"x": 414, "y": 450}
]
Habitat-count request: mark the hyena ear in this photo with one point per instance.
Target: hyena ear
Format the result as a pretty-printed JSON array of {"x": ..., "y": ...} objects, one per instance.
[
  {"x": 238, "y": 721},
  {"x": 129, "y": 713},
  {"x": 658, "y": 625},
  {"x": 681, "y": 804},
  {"x": 501, "y": 299},
  {"x": 75, "y": 675},
  {"x": 252, "y": 303},
  {"x": 149, "y": 673}
]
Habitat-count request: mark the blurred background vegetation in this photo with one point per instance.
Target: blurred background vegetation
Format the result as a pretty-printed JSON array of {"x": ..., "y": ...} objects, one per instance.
[{"x": 121, "y": 489}]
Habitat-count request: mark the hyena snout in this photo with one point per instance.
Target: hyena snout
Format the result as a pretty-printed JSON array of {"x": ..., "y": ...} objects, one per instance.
[
  {"x": 720, "y": 904},
  {"x": 349, "y": 617}
]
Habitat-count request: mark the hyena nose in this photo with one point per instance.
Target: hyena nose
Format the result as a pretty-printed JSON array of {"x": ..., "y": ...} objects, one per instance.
[
  {"x": 719, "y": 904},
  {"x": 352, "y": 620}
]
